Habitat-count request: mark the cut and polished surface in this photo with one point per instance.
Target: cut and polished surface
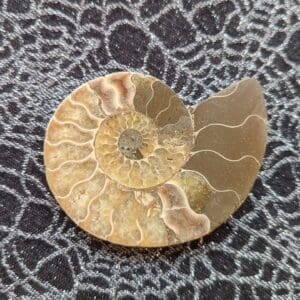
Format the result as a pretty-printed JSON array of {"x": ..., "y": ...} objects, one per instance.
[{"x": 131, "y": 164}]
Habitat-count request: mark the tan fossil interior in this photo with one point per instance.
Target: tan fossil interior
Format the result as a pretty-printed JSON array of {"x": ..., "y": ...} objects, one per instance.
[{"x": 131, "y": 164}]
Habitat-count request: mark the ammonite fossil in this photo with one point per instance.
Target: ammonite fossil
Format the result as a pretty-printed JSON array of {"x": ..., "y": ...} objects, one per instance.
[{"x": 129, "y": 163}]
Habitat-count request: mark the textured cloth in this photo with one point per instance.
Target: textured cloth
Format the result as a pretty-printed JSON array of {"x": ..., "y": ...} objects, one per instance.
[{"x": 48, "y": 48}]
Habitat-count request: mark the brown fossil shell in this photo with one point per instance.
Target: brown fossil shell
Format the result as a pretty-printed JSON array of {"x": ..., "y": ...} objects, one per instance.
[{"x": 130, "y": 163}]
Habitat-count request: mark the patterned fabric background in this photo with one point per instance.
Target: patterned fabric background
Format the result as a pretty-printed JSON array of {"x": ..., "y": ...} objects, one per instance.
[{"x": 47, "y": 48}]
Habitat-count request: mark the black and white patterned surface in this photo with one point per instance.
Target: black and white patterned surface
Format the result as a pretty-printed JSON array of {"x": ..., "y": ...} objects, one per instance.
[{"x": 47, "y": 48}]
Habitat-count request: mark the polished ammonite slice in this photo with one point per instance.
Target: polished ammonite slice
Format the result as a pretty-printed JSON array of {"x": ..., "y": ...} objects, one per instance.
[{"x": 130, "y": 163}]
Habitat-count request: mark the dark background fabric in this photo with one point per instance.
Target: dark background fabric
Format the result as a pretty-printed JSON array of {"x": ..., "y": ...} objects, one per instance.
[{"x": 47, "y": 48}]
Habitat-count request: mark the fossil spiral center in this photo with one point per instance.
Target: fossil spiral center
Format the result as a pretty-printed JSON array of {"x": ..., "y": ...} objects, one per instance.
[
  {"x": 132, "y": 150},
  {"x": 130, "y": 142}
]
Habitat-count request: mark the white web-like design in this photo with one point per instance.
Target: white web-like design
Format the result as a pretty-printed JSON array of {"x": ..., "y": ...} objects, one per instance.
[{"x": 37, "y": 73}]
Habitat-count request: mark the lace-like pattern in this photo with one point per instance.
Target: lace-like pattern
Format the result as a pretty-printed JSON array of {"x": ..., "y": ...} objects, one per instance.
[{"x": 47, "y": 48}]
